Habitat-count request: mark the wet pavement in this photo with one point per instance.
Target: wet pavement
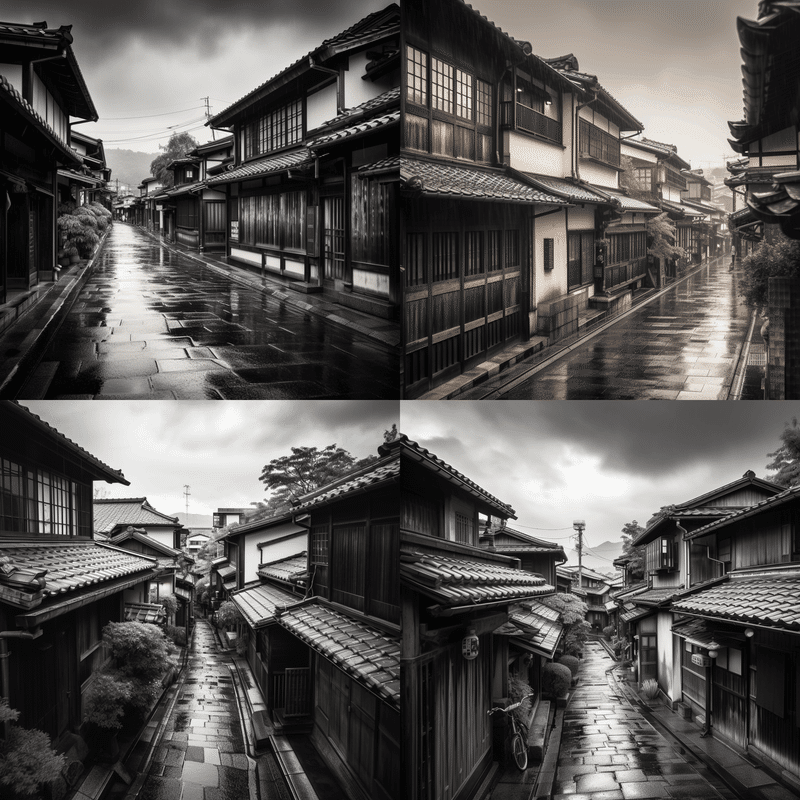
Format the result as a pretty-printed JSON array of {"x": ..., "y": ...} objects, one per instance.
[
  {"x": 683, "y": 345},
  {"x": 610, "y": 752},
  {"x": 151, "y": 323},
  {"x": 201, "y": 754}
]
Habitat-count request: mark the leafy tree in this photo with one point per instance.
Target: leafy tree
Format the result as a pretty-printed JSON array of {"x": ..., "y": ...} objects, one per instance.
[
  {"x": 627, "y": 179},
  {"x": 630, "y": 531},
  {"x": 140, "y": 650},
  {"x": 178, "y": 146},
  {"x": 27, "y": 761},
  {"x": 771, "y": 259},
  {"x": 661, "y": 233},
  {"x": 572, "y": 612},
  {"x": 304, "y": 471},
  {"x": 786, "y": 459}
]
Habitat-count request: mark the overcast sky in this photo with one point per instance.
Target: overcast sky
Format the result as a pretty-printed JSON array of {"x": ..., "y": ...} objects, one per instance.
[
  {"x": 606, "y": 462},
  {"x": 218, "y": 449},
  {"x": 151, "y": 57},
  {"x": 675, "y": 64}
]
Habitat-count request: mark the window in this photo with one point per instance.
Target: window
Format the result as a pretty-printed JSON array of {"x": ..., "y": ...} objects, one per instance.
[
  {"x": 319, "y": 544},
  {"x": 668, "y": 555},
  {"x": 417, "y": 75},
  {"x": 484, "y": 102},
  {"x": 473, "y": 253},
  {"x": 442, "y": 86},
  {"x": 644, "y": 177},
  {"x": 465, "y": 529},
  {"x": 445, "y": 256},
  {"x": 415, "y": 259},
  {"x": 648, "y": 656},
  {"x": 724, "y": 554},
  {"x": 512, "y": 249},
  {"x": 598, "y": 144},
  {"x": 463, "y": 94},
  {"x": 495, "y": 255},
  {"x": 275, "y": 130},
  {"x": 580, "y": 259},
  {"x": 549, "y": 254}
]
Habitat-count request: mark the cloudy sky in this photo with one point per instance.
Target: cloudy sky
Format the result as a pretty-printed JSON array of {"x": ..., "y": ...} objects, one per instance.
[
  {"x": 606, "y": 462},
  {"x": 675, "y": 65},
  {"x": 158, "y": 57},
  {"x": 218, "y": 449}
]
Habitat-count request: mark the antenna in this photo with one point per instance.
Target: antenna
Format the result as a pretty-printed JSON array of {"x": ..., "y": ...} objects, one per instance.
[
  {"x": 579, "y": 525},
  {"x": 186, "y": 494}
]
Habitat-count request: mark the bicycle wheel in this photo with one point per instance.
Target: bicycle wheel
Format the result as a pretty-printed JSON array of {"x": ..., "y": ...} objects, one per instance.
[{"x": 520, "y": 751}]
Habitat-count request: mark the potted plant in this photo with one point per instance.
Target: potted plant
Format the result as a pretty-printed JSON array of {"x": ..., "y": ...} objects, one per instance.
[{"x": 649, "y": 691}]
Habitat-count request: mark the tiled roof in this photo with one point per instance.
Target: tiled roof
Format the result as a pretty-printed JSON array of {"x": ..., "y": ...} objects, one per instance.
[
  {"x": 384, "y": 165},
  {"x": 706, "y": 511},
  {"x": 650, "y": 144},
  {"x": 694, "y": 631},
  {"x": 14, "y": 408},
  {"x": 669, "y": 205},
  {"x": 632, "y": 204},
  {"x": 542, "y": 625},
  {"x": 455, "y": 581},
  {"x": 448, "y": 180},
  {"x": 264, "y": 166},
  {"x": 381, "y": 471},
  {"x": 134, "y": 511},
  {"x": 145, "y": 612},
  {"x": 369, "y": 655},
  {"x": 259, "y": 603},
  {"x": 366, "y": 126},
  {"x": 656, "y": 596},
  {"x": 287, "y": 569},
  {"x": 373, "y": 104},
  {"x": 75, "y": 565},
  {"x": 743, "y": 216},
  {"x": 185, "y": 188},
  {"x": 149, "y": 541},
  {"x": 631, "y": 612},
  {"x": 770, "y": 599},
  {"x": 226, "y": 572},
  {"x": 575, "y": 192},
  {"x": 443, "y": 468}
]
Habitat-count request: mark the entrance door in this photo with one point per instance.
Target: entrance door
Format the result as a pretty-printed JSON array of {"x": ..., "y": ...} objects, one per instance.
[{"x": 334, "y": 233}]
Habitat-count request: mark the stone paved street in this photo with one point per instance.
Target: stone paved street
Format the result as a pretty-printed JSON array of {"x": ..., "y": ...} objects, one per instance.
[
  {"x": 681, "y": 346},
  {"x": 610, "y": 752},
  {"x": 151, "y": 323},
  {"x": 201, "y": 753}
]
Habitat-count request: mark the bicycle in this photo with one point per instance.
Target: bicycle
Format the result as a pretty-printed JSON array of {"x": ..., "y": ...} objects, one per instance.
[{"x": 518, "y": 735}]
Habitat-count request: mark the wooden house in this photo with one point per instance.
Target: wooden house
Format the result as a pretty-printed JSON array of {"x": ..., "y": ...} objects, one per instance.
[
  {"x": 149, "y": 211},
  {"x": 458, "y": 596},
  {"x": 535, "y": 555},
  {"x": 89, "y": 182},
  {"x": 200, "y": 213},
  {"x": 58, "y": 586},
  {"x": 595, "y": 590},
  {"x": 768, "y": 135},
  {"x": 41, "y": 88},
  {"x": 509, "y": 177},
  {"x": 312, "y": 188},
  {"x": 673, "y": 566}
]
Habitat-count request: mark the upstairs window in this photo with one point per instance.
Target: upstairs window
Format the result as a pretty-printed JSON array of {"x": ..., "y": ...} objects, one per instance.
[
  {"x": 319, "y": 545},
  {"x": 484, "y": 102},
  {"x": 275, "y": 130},
  {"x": 417, "y": 76},
  {"x": 597, "y": 143},
  {"x": 724, "y": 554},
  {"x": 465, "y": 529},
  {"x": 463, "y": 94},
  {"x": 668, "y": 555},
  {"x": 442, "y": 86}
]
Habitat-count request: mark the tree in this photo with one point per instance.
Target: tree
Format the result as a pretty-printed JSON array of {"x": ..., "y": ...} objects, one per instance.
[
  {"x": 631, "y": 531},
  {"x": 786, "y": 459},
  {"x": 661, "y": 233},
  {"x": 304, "y": 471},
  {"x": 178, "y": 146},
  {"x": 772, "y": 259},
  {"x": 572, "y": 611}
]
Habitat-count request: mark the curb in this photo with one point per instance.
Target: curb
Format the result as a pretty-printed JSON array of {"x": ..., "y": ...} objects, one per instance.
[
  {"x": 279, "y": 292},
  {"x": 15, "y": 378}
]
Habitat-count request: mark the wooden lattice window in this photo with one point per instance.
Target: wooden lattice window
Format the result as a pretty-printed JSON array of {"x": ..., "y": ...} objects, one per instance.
[
  {"x": 416, "y": 272},
  {"x": 495, "y": 254},
  {"x": 320, "y": 542},
  {"x": 473, "y": 253},
  {"x": 465, "y": 528},
  {"x": 484, "y": 102},
  {"x": 464, "y": 100},
  {"x": 442, "y": 86},
  {"x": 445, "y": 256},
  {"x": 416, "y": 75},
  {"x": 549, "y": 254}
]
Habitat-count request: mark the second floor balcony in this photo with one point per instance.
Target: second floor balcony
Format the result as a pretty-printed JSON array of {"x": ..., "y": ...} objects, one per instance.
[{"x": 516, "y": 116}]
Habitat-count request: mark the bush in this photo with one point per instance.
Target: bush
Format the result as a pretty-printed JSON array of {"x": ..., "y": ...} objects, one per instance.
[
  {"x": 140, "y": 650},
  {"x": 27, "y": 760},
  {"x": 769, "y": 260},
  {"x": 650, "y": 688},
  {"x": 170, "y": 605},
  {"x": 608, "y": 632},
  {"x": 105, "y": 700},
  {"x": 556, "y": 679},
  {"x": 144, "y": 694},
  {"x": 176, "y": 635},
  {"x": 228, "y": 615},
  {"x": 571, "y": 663}
]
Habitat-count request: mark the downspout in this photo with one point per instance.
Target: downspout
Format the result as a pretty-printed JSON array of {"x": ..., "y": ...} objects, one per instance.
[
  {"x": 329, "y": 71},
  {"x": 687, "y": 556},
  {"x": 4, "y": 671}
]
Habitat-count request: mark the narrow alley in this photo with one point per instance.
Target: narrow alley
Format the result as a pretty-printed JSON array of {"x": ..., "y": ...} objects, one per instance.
[
  {"x": 152, "y": 323},
  {"x": 683, "y": 345},
  {"x": 610, "y": 752}
]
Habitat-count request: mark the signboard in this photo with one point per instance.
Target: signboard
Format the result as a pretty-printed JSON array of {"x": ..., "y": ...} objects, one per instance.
[
  {"x": 312, "y": 224},
  {"x": 235, "y": 229},
  {"x": 701, "y": 661},
  {"x": 159, "y": 207}
]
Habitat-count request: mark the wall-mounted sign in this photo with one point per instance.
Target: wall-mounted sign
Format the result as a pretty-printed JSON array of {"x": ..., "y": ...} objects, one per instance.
[
  {"x": 701, "y": 661},
  {"x": 235, "y": 229},
  {"x": 469, "y": 646}
]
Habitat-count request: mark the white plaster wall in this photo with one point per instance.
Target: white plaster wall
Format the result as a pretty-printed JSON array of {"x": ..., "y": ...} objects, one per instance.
[
  {"x": 580, "y": 218},
  {"x": 598, "y": 174},
  {"x": 636, "y": 152},
  {"x": 551, "y": 284},
  {"x": 320, "y": 106},
  {"x": 356, "y": 90},
  {"x": 665, "y": 652},
  {"x": 533, "y": 155},
  {"x": 160, "y": 535},
  {"x": 276, "y": 550}
]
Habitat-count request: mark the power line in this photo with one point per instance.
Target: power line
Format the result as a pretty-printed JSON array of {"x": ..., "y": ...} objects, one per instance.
[
  {"x": 149, "y": 116},
  {"x": 160, "y": 135}
]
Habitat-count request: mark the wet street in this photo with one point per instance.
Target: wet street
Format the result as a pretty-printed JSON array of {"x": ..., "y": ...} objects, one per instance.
[
  {"x": 680, "y": 346},
  {"x": 610, "y": 752},
  {"x": 154, "y": 324}
]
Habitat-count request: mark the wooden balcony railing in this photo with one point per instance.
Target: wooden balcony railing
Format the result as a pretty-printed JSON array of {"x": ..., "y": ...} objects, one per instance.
[{"x": 526, "y": 119}]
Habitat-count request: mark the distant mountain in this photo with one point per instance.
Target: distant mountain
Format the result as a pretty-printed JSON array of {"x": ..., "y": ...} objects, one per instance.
[
  {"x": 599, "y": 558},
  {"x": 129, "y": 167},
  {"x": 195, "y": 520}
]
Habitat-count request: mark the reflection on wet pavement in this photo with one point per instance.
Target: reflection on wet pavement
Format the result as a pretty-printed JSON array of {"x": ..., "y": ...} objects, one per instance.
[
  {"x": 154, "y": 324},
  {"x": 608, "y": 750},
  {"x": 681, "y": 346}
]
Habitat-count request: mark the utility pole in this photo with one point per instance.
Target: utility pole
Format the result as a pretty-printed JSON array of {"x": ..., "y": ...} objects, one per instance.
[
  {"x": 186, "y": 488},
  {"x": 208, "y": 116},
  {"x": 579, "y": 525}
]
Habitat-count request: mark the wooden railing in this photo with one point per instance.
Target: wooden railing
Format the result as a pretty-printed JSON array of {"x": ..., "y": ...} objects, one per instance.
[
  {"x": 624, "y": 273},
  {"x": 526, "y": 119},
  {"x": 298, "y": 697}
]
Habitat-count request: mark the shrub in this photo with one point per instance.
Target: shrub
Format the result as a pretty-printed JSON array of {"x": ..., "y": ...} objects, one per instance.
[
  {"x": 144, "y": 694},
  {"x": 650, "y": 688},
  {"x": 228, "y": 615},
  {"x": 105, "y": 700},
  {"x": 572, "y": 663},
  {"x": 140, "y": 650},
  {"x": 241, "y": 643},
  {"x": 608, "y": 631},
  {"x": 27, "y": 760},
  {"x": 517, "y": 689},
  {"x": 176, "y": 635},
  {"x": 770, "y": 259},
  {"x": 556, "y": 679},
  {"x": 169, "y": 604}
]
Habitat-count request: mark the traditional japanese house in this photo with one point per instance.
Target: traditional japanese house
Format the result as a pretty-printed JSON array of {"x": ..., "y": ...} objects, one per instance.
[
  {"x": 311, "y": 195},
  {"x": 710, "y": 230},
  {"x": 195, "y": 539},
  {"x": 535, "y": 555},
  {"x": 458, "y": 595},
  {"x": 768, "y": 134},
  {"x": 737, "y": 632},
  {"x": 148, "y": 213},
  {"x": 58, "y": 586},
  {"x": 41, "y": 88},
  {"x": 89, "y": 182},
  {"x": 672, "y": 567},
  {"x": 200, "y": 214},
  {"x": 594, "y": 589}
]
